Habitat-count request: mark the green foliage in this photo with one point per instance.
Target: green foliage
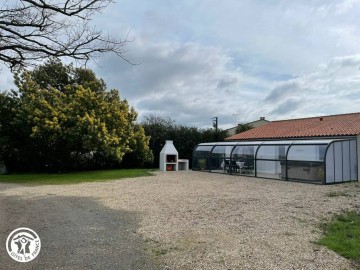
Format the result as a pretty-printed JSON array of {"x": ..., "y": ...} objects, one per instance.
[
  {"x": 54, "y": 74},
  {"x": 68, "y": 126},
  {"x": 202, "y": 163},
  {"x": 343, "y": 235},
  {"x": 185, "y": 138},
  {"x": 74, "y": 177},
  {"x": 141, "y": 154},
  {"x": 158, "y": 129},
  {"x": 243, "y": 127}
]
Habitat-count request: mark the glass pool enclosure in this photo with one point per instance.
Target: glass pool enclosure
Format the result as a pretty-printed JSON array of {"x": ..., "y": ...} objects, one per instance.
[{"x": 316, "y": 161}]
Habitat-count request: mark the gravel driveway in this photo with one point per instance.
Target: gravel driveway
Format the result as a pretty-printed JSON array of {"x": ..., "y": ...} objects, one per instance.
[
  {"x": 177, "y": 220},
  {"x": 76, "y": 233}
]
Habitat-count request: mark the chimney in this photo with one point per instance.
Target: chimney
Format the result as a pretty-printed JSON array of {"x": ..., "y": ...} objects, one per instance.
[
  {"x": 320, "y": 118},
  {"x": 262, "y": 118}
]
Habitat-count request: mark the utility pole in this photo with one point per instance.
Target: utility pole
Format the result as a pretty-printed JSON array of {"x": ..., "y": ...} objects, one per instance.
[{"x": 215, "y": 123}]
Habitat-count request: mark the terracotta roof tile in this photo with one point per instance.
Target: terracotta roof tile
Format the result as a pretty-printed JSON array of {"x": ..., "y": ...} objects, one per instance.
[{"x": 321, "y": 126}]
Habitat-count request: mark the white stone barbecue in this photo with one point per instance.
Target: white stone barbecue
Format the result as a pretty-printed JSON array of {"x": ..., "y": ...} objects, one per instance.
[{"x": 169, "y": 157}]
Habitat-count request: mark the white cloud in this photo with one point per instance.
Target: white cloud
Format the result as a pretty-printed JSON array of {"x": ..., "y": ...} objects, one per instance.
[
  {"x": 333, "y": 88},
  {"x": 6, "y": 79},
  {"x": 191, "y": 83},
  {"x": 200, "y": 59},
  {"x": 345, "y": 6},
  {"x": 188, "y": 82},
  {"x": 286, "y": 36}
]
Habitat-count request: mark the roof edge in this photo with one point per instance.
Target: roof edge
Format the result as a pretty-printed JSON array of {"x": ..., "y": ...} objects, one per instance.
[
  {"x": 314, "y": 117},
  {"x": 297, "y": 138}
]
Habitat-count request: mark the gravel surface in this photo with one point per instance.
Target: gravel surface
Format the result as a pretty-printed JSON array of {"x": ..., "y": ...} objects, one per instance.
[
  {"x": 76, "y": 233},
  {"x": 186, "y": 220}
]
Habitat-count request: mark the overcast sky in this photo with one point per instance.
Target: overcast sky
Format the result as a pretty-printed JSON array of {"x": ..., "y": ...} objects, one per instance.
[{"x": 204, "y": 58}]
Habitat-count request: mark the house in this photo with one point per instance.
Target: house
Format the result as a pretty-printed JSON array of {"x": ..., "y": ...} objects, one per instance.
[
  {"x": 262, "y": 121},
  {"x": 321, "y": 149}
]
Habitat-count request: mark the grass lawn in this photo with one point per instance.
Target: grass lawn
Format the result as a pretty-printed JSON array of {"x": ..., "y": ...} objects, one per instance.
[
  {"x": 73, "y": 177},
  {"x": 342, "y": 235}
]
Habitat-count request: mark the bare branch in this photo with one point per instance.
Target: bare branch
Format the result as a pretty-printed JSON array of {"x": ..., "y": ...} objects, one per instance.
[{"x": 32, "y": 30}]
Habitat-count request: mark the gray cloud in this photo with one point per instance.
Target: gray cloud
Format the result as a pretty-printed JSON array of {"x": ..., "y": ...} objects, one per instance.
[
  {"x": 192, "y": 83},
  {"x": 283, "y": 90},
  {"x": 332, "y": 89},
  {"x": 187, "y": 82},
  {"x": 287, "y": 107},
  {"x": 228, "y": 83},
  {"x": 199, "y": 59}
]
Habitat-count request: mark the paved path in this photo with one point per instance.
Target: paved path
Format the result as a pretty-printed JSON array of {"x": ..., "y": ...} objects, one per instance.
[{"x": 75, "y": 233}]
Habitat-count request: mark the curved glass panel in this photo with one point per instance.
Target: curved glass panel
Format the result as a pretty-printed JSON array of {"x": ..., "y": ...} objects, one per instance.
[
  {"x": 273, "y": 152},
  {"x": 222, "y": 151},
  {"x": 244, "y": 156},
  {"x": 307, "y": 152},
  {"x": 220, "y": 159},
  {"x": 244, "y": 151},
  {"x": 338, "y": 162},
  {"x": 298, "y": 160},
  {"x": 330, "y": 165},
  {"x": 308, "y": 171},
  {"x": 203, "y": 151},
  {"x": 270, "y": 169}
]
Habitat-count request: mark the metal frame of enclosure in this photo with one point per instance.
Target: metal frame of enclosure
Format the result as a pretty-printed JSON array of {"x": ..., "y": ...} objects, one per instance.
[{"x": 314, "y": 161}]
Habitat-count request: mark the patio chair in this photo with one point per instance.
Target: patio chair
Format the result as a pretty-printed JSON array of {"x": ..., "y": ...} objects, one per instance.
[
  {"x": 248, "y": 166},
  {"x": 231, "y": 166}
]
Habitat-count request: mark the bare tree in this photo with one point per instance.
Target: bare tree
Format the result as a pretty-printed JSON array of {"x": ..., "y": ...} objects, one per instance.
[{"x": 31, "y": 30}]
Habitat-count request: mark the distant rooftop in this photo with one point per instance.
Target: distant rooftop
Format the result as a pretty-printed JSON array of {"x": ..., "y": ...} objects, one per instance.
[
  {"x": 321, "y": 126},
  {"x": 262, "y": 121}
]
